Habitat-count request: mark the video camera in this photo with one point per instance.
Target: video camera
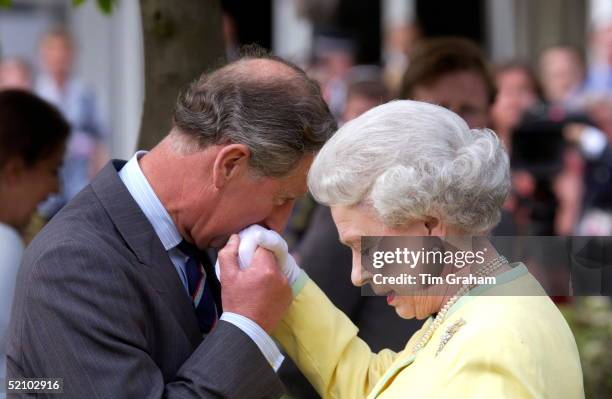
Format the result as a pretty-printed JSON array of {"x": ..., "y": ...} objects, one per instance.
[
  {"x": 538, "y": 143},
  {"x": 538, "y": 147}
]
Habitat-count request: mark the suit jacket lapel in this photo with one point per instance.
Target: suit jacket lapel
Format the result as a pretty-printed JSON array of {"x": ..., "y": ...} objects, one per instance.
[{"x": 138, "y": 233}]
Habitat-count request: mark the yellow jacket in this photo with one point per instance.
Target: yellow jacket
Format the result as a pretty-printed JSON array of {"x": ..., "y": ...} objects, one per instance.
[{"x": 495, "y": 347}]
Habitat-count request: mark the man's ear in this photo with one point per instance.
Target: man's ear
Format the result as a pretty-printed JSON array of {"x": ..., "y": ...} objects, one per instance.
[
  {"x": 231, "y": 161},
  {"x": 13, "y": 171}
]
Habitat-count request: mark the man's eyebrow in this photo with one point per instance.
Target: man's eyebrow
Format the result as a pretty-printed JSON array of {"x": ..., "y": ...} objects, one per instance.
[
  {"x": 291, "y": 192},
  {"x": 296, "y": 195}
]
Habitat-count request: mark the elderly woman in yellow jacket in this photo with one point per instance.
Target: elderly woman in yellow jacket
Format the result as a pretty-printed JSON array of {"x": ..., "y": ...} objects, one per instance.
[{"x": 414, "y": 169}]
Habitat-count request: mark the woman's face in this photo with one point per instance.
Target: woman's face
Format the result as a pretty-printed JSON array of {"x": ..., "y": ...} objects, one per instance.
[
  {"x": 24, "y": 187},
  {"x": 515, "y": 95},
  {"x": 357, "y": 221}
]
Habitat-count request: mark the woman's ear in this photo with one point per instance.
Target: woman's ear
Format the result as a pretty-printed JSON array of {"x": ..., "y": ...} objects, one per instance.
[
  {"x": 435, "y": 226},
  {"x": 230, "y": 162}
]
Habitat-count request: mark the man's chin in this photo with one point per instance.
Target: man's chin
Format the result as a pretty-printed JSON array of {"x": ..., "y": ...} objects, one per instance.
[{"x": 218, "y": 242}]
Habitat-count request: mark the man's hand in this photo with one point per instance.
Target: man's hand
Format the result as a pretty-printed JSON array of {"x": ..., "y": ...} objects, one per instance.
[
  {"x": 260, "y": 292},
  {"x": 256, "y": 236}
]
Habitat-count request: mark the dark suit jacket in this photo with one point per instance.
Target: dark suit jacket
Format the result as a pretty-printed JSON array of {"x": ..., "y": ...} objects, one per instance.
[{"x": 99, "y": 303}]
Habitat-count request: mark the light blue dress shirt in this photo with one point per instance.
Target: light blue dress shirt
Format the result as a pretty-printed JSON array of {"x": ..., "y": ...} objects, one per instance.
[{"x": 164, "y": 227}]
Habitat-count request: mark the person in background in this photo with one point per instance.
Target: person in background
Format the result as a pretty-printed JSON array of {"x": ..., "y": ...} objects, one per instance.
[
  {"x": 593, "y": 141},
  {"x": 334, "y": 56},
  {"x": 562, "y": 75},
  {"x": 517, "y": 92},
  {"x": 58, "y": 85},
  {"x": 519, "y": 95},
  {"x": 600, "y": 111},
  {"x": 33, "y": 137},
  {"x": 453, "y": 73},
  {"x": 398, "y": 43},
  {"x": 599, "y": 75},
  {"x": 365, "y": 91},
  {"x": 15, "y": 73}
]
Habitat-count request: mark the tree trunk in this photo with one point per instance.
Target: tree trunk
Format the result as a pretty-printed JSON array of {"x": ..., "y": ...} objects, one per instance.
[{"x": 182, "y": 39}]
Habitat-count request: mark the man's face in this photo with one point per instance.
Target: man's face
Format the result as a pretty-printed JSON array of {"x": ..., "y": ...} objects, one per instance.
[
  {"x": 603, "y": 44},
  {"x": 462, "y": 92},
  {"x": 247, "y": 200},
  {"x": 515, "y": 95},
  {"x": 561, "y": 74},
  {"x": 357, "y": 105},
  {"x": 57, "y": 55}
]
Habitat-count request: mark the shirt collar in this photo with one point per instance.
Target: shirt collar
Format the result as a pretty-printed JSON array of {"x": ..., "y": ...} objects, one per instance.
[
  {"x": 47, "y": 88},
  {"x": 149, "y": 203}
]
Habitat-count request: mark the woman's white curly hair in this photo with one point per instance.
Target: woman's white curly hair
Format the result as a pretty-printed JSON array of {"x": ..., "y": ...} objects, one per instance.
[{"x": 410, "y": 160}]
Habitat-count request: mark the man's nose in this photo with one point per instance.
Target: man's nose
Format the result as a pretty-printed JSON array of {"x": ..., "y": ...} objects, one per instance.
[{"x": 278, "y": 218}]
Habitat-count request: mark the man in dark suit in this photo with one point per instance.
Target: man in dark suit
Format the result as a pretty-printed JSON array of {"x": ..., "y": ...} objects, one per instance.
[{"x": 116, "y": 295}]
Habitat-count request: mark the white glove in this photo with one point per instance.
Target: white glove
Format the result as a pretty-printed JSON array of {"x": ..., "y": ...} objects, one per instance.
[{"x": 254, "y": 236}]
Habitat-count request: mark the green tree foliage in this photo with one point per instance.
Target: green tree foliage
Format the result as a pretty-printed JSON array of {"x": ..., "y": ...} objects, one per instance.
[{"x": 106, "y": 6}]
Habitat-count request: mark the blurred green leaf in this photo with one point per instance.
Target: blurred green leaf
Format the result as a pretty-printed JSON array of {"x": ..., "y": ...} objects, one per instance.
[
  {"x": 107, "y": 5},
  {"x": 5, "y": 3}
]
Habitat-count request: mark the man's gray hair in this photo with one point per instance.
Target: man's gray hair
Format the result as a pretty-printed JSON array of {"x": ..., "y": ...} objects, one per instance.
[
  {"x": 411, "y": 160},
  {"x": 272, "y": 107}
]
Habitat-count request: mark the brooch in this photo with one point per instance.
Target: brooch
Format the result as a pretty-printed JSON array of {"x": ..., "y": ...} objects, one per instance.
[{"x": 448, "y": 334}]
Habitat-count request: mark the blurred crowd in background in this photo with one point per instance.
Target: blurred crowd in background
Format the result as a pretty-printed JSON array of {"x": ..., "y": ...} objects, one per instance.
[
  {"x": 552, "y": 111},
  {"x": 56, "y": 83}
]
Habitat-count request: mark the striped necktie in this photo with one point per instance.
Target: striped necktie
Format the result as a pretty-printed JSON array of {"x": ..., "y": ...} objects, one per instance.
[{"x": 201, "y": 289}]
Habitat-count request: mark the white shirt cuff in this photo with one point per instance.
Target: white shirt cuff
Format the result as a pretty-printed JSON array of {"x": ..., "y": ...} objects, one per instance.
[{"x": 263, "y": 341}]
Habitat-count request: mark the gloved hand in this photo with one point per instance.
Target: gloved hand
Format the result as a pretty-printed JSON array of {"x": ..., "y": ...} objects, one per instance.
[{"x": 254, "y": 236}]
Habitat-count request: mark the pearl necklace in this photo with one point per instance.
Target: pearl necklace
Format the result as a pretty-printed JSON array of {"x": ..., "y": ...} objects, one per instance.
[{"x": 489, "y": 268}]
